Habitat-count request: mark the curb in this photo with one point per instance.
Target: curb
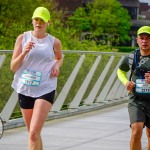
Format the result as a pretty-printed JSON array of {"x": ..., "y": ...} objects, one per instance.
[{"x": 19, "y": 122}]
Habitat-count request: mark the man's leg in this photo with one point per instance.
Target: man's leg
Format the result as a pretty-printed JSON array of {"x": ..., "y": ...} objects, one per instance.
[
  {"x": 135, "y": 141},
  {"x": 148, "y": 138}
]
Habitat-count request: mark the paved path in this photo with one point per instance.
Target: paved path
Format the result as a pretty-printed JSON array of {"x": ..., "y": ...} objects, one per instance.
[{"x": 105, "y": 129}]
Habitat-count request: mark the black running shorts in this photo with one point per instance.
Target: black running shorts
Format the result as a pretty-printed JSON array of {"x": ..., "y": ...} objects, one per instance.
[{"x": 27, "y": 102}]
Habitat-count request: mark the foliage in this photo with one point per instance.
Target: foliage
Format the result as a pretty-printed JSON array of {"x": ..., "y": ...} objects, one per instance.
[
  {"x": 126, "y": 49},
  {"x": 18, "y": 20},
  {"x": 89, "y": 46},
  {"x": 80, "y": 20},
  {"x": 106, "y": 20},
  {"x": 93, "y": 18}
]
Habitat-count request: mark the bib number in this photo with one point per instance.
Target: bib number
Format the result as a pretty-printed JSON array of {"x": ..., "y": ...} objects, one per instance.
[
  {"x": 142, "y": 86},
  {"x": 31, "y": 78}
]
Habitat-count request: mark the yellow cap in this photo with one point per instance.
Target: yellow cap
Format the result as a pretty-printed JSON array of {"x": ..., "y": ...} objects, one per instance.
[
  {"x": 144, "y": 29},
  {"x": 43, "y": 13}
]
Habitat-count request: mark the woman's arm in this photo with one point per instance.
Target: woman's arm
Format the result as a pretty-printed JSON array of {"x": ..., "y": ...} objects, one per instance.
[
  {"x": 19, "y": 54},
  {"x": 58, "y": 58}
]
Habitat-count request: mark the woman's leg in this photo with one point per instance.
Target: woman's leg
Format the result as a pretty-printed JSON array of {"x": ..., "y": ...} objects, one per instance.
[
  {"x": 27, "y": 115},
  {"x": 34, "y": 120}
]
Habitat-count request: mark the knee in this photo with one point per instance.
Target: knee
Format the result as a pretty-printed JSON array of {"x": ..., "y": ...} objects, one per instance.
[
  {"x": 137, "y": 133},
  {"x": 148, "y": 133},
  {"x": 148, "y": 138},
  {"x": 33, "y": 135}
]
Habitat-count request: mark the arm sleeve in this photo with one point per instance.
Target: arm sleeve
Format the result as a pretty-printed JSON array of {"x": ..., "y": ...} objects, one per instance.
[{"x": 122, "y": 75}]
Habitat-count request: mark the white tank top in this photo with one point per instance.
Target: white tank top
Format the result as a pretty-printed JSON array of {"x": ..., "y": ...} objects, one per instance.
[{"x": 33, "y": 77}]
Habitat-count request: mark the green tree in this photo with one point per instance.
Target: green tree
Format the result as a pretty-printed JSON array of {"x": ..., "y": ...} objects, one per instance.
[
  {"x": 16, "y": 16},
  {"x": 80, "y": 20},
  {"x": 107, "y": 20}
]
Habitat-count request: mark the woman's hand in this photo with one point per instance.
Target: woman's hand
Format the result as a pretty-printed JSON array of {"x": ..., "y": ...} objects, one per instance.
[
  {"x": 55, "y": 71},
  {"x": 28, "y": 47}
]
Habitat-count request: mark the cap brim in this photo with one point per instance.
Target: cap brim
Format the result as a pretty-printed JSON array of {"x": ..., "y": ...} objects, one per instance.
[{"x": 41, "y": 17}]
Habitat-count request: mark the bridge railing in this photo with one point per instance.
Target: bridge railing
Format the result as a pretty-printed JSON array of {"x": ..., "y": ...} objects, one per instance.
[{"x": 91, "y": 82}]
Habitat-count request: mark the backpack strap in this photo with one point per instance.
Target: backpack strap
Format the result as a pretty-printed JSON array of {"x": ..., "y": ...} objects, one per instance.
[
  {"x": 132, "y": 63},
  {"x": 131, "y": 60}
]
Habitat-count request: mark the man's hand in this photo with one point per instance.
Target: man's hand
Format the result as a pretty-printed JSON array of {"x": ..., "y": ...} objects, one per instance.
[
  {"x": 147, "y": 77},
  {"x": 130, "y": 86}
]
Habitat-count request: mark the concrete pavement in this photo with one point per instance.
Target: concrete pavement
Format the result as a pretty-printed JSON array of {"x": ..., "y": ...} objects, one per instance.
[{"x": 105, "y": 129}]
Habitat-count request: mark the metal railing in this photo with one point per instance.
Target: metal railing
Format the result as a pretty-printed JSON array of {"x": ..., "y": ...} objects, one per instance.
[{"x": 95, "y": 91}]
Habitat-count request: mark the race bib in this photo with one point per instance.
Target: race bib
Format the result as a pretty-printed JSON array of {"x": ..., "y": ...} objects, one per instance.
[
  {"x": 31, "y": 78},
  {"x": 142, "y": 86}
]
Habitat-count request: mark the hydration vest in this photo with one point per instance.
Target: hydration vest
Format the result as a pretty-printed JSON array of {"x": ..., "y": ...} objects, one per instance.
[{"x": 134, "y": 67}]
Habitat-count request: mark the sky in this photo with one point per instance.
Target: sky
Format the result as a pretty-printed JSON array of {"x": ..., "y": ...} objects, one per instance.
[{"x": 145, "y": 1}]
